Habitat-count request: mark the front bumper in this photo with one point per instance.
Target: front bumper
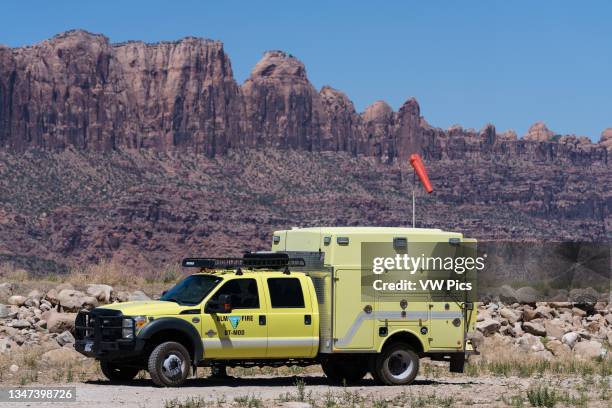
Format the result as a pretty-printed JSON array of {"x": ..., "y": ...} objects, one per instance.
[
  {"x": 110, "y": 350},
  {"x": 98, "y": 334}
]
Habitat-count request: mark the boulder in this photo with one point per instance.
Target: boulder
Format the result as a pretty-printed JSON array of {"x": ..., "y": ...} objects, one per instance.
[
  {"x": 59, "y": 322},
  {"x": 558, "y": 349},
  {"x": 593, "y": 327},
  {"x": 122, "y": 296},
  {"x": 543, "y": 312},
  {"x": 510, "y": 315},
  {"x": 65, "y": 338},
  {"x": 555, "y": 328},
  {"x": 488, "y": 326},
  {"x": 4, "y": 311},
  {"x": 477, "y": 338},
  {"x": 528, "y": 314},
  {"x": 17, "y": 300},
  {"x": 579, "y": 312},
  {"x": 507, "y": 294},
  {"x": 6, "y": 290},
  {"x": 63, "y": 286},
  {"x": 102, "y": 293},
  {"x": 51, "y": 296},
  {"x": 527, "y": 295},
  {"x": 518, "y": 330},
  {"x": 534, "y": 328},
  {"x": 14, "y": 368},
  {"x": 32, "y": 302},
  {"x": 587, "y": 296},
  {"x": 482, "y": 315},
  {"x": 21, "y": 324},
  {"x": 530, "y": 343},
  {"x": 492, "y": 307},
  {"x": 588, "y": 349},
  {"x": 63, "y": 356},
  {"x": 35, "y": 294},
  {"x": 138, "y": 295},
  {"x": 73, "y": 300},
  {"x": 7, "y": 345},
  {"x": 601, "y": 307},
  {"x": 560, "y": 305}
]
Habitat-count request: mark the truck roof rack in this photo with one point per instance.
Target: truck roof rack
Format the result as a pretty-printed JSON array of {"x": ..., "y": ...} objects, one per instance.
[{"x": 251, "y": 260}]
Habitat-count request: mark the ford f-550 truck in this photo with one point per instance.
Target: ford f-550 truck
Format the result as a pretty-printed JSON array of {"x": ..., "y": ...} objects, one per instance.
[{"x": 301, "y": 303}]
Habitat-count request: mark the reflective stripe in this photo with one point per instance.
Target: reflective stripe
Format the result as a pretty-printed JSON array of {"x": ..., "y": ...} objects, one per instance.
[
  {"x": 348, "y": 337},
  {"x": 259, "y": 342}
]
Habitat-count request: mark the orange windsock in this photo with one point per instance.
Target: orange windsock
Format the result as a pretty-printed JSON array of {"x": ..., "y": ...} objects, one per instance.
[{"x": 419, "y": 168}]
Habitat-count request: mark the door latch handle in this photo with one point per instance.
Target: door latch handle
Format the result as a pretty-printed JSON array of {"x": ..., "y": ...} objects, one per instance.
[
  {"x": 195, "y": 320},
  {"x": 307, "y": 320},
  {"x": 262, "y": 320}
]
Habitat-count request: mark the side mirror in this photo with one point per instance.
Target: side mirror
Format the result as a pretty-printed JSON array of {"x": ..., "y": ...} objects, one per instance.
[{"x": 224, "y": 305}]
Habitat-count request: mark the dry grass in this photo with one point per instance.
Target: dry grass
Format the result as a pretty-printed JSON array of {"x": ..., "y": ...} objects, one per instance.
[
  {"x": 33, "y": 369},
  {"x": 107, "y": 272},
  {"x": 10, "y": 273}
]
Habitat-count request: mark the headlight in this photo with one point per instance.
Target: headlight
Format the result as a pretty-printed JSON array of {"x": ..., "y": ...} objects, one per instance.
[{"x": 128, "y": 331}]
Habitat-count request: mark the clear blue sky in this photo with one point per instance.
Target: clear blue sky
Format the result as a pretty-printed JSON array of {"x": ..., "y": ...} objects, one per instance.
[{"x": 507, "y": 62}]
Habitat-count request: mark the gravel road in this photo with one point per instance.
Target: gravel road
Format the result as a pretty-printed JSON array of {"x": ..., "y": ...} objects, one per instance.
[{"x": 276, "y": 391}]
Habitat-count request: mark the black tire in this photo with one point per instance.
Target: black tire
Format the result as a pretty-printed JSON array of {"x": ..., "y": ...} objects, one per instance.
[
  {"x": 169, "y": 364},
  {"x": 398, "y": 364},
  {"x": 118, "y": 373},
  {"x": 372, "y": 370},
  {"x": 457, "y": 363},
  {"x": 344, "y": 372}
]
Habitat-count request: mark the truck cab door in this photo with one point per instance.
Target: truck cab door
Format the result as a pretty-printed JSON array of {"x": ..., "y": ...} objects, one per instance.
[
  {"x": 241, "y": 333},
  {"x": 292, "y": 328}
]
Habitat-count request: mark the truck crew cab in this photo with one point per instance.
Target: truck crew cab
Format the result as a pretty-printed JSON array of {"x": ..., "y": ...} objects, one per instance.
[{"x": 299, "y": 304}]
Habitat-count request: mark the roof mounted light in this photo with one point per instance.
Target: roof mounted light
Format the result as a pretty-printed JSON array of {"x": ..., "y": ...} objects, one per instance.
[{"x": 342, "y": 240}]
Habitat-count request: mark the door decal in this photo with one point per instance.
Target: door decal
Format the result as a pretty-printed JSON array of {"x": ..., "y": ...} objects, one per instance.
[{"x": 234, "y": 320}]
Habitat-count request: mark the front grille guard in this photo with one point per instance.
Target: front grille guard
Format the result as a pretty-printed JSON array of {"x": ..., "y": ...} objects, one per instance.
[{"x": 101, "y": 329}]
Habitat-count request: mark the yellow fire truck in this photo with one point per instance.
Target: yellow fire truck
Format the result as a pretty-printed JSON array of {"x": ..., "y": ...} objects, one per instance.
[{"x": 301, "y": 303}]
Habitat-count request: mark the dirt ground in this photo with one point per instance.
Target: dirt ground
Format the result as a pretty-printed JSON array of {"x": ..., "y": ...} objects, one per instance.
[{"x": 312, "y": 390}]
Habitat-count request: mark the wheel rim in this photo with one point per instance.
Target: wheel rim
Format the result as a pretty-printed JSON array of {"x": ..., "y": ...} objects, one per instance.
[
  {"x": 173, "y": 366},
  {"x": 400, "y": 365}
]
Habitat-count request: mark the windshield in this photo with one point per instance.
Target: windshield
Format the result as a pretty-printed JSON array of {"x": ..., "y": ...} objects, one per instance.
[{"x": 191, "y": 290}]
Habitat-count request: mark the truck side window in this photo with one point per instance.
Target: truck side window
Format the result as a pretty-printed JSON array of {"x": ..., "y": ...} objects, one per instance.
[
  {"x": 285, "y": 292},
  {"x": 243, "y": 291}
]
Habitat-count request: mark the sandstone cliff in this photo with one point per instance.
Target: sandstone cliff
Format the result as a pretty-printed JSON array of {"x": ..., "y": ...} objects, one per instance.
[{"x": 77, "y": 89}]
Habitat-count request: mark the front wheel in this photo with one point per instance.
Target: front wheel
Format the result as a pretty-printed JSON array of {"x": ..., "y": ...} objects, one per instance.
[
  {"x": 118, "y": 373},
  {"x": 398, "y": 364},
  {"x": 169, "y": 364}
]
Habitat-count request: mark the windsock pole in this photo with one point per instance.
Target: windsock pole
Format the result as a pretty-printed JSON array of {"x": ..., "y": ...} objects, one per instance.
[
  {"x": 419, "y": 169},
  {"x": 413, "y": 199}
]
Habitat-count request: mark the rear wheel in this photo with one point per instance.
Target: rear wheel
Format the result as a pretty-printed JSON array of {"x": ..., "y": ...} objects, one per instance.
[
  {"x": 169, "y": 364},
  {"x": 349, "y": 371},
  {"x": 118, "y": 373},
  {"x": 398, "y": 364}
]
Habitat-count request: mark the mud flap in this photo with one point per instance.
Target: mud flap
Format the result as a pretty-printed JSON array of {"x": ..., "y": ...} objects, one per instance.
[{"x": 457, "y": 362}]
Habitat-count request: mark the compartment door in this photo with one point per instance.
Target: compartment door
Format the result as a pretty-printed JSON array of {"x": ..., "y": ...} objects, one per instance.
[{"x": 353, "y": 327}]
